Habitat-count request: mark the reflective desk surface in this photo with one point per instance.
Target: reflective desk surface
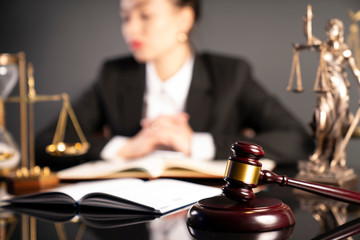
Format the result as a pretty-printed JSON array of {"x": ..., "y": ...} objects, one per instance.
[{"x": 316, "y": 218}]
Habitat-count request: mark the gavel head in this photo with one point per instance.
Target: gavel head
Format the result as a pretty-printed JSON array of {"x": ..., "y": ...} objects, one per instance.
[{"x": 243, "y": 171}]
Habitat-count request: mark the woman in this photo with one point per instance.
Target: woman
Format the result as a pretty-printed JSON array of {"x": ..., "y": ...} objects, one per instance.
[{"x": 167, "y": 96}]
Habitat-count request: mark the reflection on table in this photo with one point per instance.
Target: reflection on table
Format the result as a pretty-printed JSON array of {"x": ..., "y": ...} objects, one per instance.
[{"x": 316, "y": 218}]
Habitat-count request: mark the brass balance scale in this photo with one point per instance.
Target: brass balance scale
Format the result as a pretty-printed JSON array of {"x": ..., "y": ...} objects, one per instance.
[{"x": 28, "y": 177}]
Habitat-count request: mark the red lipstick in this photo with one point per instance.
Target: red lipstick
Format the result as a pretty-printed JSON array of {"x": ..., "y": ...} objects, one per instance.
[{"x": 135, "y": 45}]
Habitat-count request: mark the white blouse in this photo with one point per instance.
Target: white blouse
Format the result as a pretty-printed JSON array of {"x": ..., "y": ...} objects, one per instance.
[{"x": 167, "y": 98}]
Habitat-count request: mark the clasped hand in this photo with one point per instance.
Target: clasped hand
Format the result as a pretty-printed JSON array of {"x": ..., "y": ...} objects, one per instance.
[{"x": 170, "y": 131}]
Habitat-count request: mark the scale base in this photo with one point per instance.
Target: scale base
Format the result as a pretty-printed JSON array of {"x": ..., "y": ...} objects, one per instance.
[{"x": 19, "y": 185}]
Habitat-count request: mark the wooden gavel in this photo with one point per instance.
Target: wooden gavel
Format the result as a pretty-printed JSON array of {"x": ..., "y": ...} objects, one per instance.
[
  {"x": 243, "y": 172},
  {"x": 237, "y": 209}
]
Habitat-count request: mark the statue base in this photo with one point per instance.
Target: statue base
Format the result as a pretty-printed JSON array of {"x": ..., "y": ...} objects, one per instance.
[{"x": 344, "y": 178}]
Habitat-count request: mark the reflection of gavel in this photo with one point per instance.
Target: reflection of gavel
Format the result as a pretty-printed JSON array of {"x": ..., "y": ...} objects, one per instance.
[
  {"x": 237, "y": 210},
  {"x": 243, "y": 172}
]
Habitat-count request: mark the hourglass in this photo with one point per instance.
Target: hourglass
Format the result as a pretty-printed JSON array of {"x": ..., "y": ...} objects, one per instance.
[
  {"x": 9, "y": 152},
  {"x": 29, "y": 177}
]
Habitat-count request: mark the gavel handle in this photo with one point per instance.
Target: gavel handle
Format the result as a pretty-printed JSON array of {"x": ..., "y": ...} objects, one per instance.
[{"x": 319, "y": 189}]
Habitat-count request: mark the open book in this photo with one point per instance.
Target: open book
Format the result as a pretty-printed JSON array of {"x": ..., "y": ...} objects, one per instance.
[
  {"x": 150, "y": 168},
  {"x": 121, "y": 200}
]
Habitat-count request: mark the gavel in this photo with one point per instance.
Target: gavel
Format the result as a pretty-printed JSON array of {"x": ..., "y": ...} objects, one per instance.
[
  {"x": 243, "y": 172},
  {"x": 237, "y": 209}
]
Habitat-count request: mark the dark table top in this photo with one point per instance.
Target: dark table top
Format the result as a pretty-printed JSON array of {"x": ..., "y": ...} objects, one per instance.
[{"x": 316, "y": 218}]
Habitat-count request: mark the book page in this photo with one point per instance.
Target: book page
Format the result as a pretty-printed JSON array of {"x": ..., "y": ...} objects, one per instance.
[
  {"x": 215, "y": 168},
  {"x": 154, "y": 166},
  {"x": 78, "y": 190},
  {"x": 165, "y": 195}
]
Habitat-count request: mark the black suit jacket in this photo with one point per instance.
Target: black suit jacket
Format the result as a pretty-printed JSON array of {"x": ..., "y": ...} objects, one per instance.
[{"x": 223, "y": 99}]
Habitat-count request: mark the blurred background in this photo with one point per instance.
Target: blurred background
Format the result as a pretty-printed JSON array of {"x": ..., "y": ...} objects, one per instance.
[{"x": 67, "y": 41}]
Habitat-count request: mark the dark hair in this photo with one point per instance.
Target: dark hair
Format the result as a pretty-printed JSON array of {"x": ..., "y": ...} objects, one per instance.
[{"x": 194, "y": 4}]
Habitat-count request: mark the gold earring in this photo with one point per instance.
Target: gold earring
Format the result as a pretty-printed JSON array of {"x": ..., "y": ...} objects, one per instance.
[{"x": 182, "y": 37}]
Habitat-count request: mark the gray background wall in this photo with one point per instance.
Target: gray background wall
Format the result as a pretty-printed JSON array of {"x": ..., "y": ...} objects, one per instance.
[{"x": 67, "y": 41}]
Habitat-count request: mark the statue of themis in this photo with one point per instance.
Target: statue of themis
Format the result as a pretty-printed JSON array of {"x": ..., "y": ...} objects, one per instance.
[{"x": 332, "y": 123}]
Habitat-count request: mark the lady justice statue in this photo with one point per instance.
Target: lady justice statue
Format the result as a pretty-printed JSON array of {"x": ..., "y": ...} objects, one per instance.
[{"x": 332, "y": 123}]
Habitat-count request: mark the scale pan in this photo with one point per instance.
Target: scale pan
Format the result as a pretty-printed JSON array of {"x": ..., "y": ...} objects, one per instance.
[{"x": 67, "y": 149}]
